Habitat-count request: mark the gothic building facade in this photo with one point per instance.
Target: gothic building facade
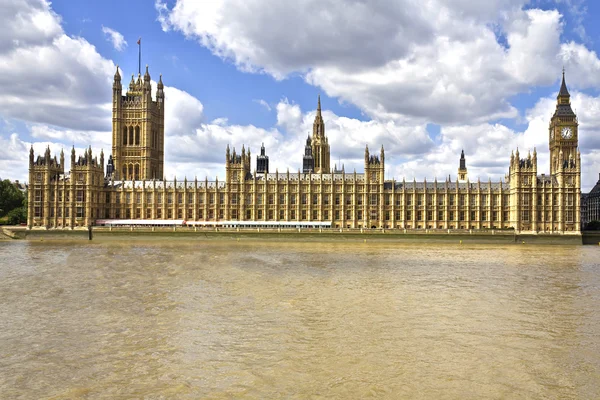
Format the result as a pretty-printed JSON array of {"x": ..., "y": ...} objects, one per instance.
[{"x": 132, "y": 190}]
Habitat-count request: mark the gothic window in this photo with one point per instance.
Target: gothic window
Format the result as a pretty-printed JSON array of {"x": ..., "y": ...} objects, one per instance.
[
  {"x": 326, "y": 214},
  {"x": 124, "y": 136},
  {"x": 179, "y": 198},
  {"x": 124, "y": 172},
  {"x": 137, "y": 135},
  {"x": 130, "y": 171},
  {"x": 131, "y": 135},
  {"x": 137, "y": 172}
]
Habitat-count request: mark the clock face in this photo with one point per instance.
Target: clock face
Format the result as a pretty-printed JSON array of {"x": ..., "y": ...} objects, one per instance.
[{"x": 566, "y": 133}]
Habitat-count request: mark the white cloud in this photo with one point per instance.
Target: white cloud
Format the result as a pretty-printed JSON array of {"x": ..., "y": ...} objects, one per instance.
[
  {"x": 116, "y": 38},
  {"x": 47, "y": 76},
  {"x": 263, "y": 103},
  {"x": 441, "y": 61}
]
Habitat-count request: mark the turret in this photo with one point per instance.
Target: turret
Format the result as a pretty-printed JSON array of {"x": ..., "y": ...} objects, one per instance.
[
  {"x": 462, "y": 167},
  {"x": 62, "y": 158},
  {"x": 73, "y": 157},
  {"x": 160, "y": 94},
  {"x": 31, "y": 155}
]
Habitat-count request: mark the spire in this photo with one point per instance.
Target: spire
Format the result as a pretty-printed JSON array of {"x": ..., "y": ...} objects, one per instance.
[
  {"x": 117, "y": 75},
  {"x": 319, "y": 105},
  {"x": 160, "y": 82},
  {"x": 563, "y": 87},
  {"x": 31, "y": 155},
  {"x": 146, "y": 75}
]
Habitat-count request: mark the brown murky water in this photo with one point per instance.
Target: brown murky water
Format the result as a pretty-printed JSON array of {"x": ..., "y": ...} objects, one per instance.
[{"x": 257, "y": 320}]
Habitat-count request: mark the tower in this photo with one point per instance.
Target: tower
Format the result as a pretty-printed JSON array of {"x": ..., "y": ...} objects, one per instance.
[
  {"x": 237, "y": 167},
  {"x": 563, "y": 134},
  {"x": 462, "y": 167},
  {"x": 262, "y": 161},
  {"x": 138, "y": 129},
  {"x": 308, "y": 161},
  {"x": 320, "y": 144}
]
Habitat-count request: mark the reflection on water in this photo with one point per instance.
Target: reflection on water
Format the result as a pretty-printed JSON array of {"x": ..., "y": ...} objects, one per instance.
[{"x": 296, "y": 320}]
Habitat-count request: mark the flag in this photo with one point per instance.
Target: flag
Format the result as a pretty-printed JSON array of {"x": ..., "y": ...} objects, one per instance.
[{"x": 139, "y": 41}]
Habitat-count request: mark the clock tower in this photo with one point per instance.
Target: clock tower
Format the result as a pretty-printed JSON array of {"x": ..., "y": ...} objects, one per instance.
[{"x": 563, "y": 134}]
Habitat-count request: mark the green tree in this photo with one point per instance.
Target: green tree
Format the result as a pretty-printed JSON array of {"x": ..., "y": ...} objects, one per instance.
[
  {"x": 10, "y": 197},
  {"x": 17, "y": 216}
]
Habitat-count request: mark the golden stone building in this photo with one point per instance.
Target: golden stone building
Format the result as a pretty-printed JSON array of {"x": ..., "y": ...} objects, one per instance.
[{"x": 129, "y": 191}]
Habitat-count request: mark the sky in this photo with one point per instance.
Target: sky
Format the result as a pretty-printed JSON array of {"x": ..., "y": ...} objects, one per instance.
[{"x": 423, "y": 78}]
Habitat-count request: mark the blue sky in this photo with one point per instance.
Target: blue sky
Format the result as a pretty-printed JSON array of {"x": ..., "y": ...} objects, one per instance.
[{"x": 483, "y": 78}]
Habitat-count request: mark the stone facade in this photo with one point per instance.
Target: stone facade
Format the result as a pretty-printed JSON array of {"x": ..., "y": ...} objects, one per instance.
[{"x": 132, "y": 187}]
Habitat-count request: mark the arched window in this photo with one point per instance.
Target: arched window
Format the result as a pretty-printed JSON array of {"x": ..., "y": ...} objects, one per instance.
[
  {"x": 137, "y": 135},
  {"x": 124, "y": 136},
  {"x": 137, "y": 172},
  {"x": 131, "y": 135},
  {"x": 130, "y": 172},
  {"x": 124, "y": 172}
]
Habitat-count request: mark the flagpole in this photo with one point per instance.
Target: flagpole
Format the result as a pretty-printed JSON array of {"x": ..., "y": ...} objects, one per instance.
[{"x": 140, "y": 56}]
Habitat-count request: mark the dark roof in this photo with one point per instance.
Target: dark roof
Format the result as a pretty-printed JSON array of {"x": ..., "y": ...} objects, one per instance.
[
  {"x": 595, "y": 192},
  {"x": 563, "y": 87}
]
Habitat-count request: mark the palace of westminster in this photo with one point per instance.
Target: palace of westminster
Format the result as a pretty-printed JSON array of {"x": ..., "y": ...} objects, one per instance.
[{"x": 131, "y": 188}]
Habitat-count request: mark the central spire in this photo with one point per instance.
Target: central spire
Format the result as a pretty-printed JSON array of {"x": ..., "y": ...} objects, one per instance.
[{"x": 318, "y": 125}]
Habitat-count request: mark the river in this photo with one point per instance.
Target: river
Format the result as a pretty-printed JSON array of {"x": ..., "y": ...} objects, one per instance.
[{"x": 260, "y": 320}]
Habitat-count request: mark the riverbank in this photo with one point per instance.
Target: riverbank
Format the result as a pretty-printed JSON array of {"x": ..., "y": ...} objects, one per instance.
[{"x": 326, "y": 235}]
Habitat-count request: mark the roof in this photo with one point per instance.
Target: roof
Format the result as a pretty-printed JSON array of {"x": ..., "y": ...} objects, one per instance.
[
  {"x": 563, "y": 87},
  {"x": 595, "y": 192}
]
